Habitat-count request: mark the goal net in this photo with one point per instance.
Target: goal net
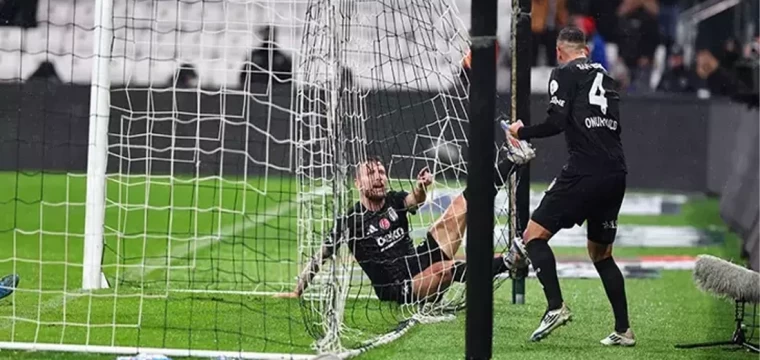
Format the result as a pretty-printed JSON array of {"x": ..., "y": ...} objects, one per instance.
[
  {"x": 383, "y": 80},
  {"x": 174, "y": 164}
]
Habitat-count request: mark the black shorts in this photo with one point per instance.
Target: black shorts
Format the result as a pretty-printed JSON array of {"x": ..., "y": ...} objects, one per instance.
[
  {"x": 573, "y": 199},
  {"x": 400, "y": 291}
]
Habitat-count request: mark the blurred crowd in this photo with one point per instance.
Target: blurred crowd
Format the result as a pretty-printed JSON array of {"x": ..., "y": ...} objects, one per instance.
[
  {"x": 625, "y": 35},
  {"x": 635, "y": 40}
]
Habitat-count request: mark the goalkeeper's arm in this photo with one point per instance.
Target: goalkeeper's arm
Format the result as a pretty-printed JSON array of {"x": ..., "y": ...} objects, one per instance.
[
  {"x": 312, "y": 269},
  {"x": 315, "y": 263}
]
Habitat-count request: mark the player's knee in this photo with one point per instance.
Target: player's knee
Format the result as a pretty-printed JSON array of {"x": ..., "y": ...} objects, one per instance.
[
  {"x": 445, "y": 269},
  {"x": 600, "y": 239},
  {"x": 442, "y": 271},
  {"x": 597, "y": 257},
  {"x": 598, "y": 252},
  {"x": 434, "y": 280},
  {"x": 535, "y": 231}
]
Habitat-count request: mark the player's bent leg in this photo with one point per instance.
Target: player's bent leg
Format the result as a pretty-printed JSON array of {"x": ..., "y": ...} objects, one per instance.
[
  {"x": 598, "y": 251},
  {"x": 499, "y": 265},
  {"x": 448, "y": 230},
  {"x": 433, "y": 281},
  {"x": 445, "y": 238},
  {"x": 536, "y": 231}
]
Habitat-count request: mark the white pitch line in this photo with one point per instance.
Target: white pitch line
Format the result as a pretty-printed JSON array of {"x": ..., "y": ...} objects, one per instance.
[{"x": 151, "y": 265}]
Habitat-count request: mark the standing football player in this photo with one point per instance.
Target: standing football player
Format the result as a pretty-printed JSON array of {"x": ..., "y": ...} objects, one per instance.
[{"x": 583, "y": 103}]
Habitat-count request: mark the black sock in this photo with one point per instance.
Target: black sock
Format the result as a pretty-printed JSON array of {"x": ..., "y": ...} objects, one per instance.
[
  {"x": 460, "y": 270},
  {"x": 614, "y": 286},
  {"x": 542, "y": 258},
  {"x": 498, "y": 266}
]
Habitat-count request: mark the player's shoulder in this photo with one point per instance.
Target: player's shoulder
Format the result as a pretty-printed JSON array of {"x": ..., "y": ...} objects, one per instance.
[
  {"x": 352, "y": 212},
  {"x": 396, "y": 198},
  {"x": 396, "y": 193},
  {"x": 576, "y": 70}
]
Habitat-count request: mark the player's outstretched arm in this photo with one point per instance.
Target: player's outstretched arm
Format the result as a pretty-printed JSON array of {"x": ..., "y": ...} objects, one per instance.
[
  {"x": 315, "y": 263},
  {"x": 308, "y": 273},
  {"x": 552, "y": 126},
  {"x": 312, "y": 269},
  {"x": 419, "y": 194},
  {"x": 562, "y": 92}
]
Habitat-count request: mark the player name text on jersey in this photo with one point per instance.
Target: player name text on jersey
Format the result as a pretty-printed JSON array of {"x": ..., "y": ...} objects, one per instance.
[
  {"x": 597, "y": 122},
  {"x": 589, "y": 66}
]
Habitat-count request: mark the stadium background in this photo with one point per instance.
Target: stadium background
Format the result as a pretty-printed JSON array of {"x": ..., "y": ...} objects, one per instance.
[{"x": 700, "y": 142}]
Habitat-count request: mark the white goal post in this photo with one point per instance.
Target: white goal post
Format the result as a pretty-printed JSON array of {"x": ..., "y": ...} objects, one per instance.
[{"x": 100, "y": 113}]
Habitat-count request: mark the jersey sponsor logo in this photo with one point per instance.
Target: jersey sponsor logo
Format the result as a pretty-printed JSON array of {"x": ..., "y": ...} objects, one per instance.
[
  {"x": 590, "y": 66},
  {"x": 558, "y": 102},
  {"x": 385, "y": 224},
  {"x": 387, "y": 241},
  {"x": 372, "y": 229},
  {"x": 553, "y": 87},
  {"x": 600, "y": 122},
  {"x": 392, "y": 215}
]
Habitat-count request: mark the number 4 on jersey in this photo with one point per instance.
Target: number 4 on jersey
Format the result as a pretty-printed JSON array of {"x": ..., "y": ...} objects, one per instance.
[{"x": 596, "y": 95}]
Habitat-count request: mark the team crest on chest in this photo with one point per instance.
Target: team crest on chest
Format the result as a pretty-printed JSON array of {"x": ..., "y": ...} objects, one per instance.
[
  {"x": 392, "y": 215},
  {"x": 385, "y": 224}
]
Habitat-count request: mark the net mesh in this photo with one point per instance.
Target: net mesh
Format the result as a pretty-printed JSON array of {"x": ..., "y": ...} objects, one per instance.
[
  {"x": 235, "y": 128},
  {"x": 385, "y": 79},
  {"x": 200, "y": 202}
]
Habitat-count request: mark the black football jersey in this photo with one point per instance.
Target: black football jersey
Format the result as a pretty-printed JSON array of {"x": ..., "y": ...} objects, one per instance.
[
  {"x": 378, "y": 240},
  {"x": 584, "y": 103}
]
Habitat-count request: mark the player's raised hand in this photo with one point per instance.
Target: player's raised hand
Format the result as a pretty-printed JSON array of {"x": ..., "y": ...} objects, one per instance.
[{"x": 424, "y": 177}]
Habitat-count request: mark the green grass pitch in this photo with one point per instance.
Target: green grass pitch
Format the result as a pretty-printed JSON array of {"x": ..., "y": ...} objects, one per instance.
[{"x": 257, "y": 252}]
